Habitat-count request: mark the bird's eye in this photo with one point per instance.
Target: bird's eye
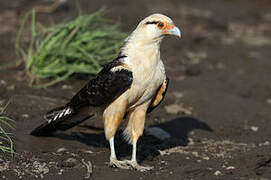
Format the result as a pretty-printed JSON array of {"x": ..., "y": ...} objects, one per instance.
[{"x": 160, "y": 25}]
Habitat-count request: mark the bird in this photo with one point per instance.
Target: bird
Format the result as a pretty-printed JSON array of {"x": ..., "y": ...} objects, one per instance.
[{"x": 123, "y": 92}]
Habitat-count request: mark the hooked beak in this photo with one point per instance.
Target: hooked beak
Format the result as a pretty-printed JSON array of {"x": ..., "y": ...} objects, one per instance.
[
  {"x": 175, "y": 31},
  {"x": 171, "y": 29}
]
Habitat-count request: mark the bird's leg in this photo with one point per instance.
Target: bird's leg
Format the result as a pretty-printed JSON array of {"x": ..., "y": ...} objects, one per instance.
[
  {"x": 112, "y": 118},
  {"x": 136, "y": 127},
  {"x": 113, "y": 158},
  {"x": 133, "y": 162}
]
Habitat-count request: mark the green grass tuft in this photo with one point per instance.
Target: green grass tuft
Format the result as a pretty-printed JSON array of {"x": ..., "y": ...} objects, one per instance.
[
  {"x": 80, "y": 46},
  {"x": 6, "y": 143}
]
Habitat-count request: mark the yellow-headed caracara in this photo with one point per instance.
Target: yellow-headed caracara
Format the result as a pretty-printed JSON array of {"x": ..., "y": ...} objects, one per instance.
[{"x": 131, "y": 85}]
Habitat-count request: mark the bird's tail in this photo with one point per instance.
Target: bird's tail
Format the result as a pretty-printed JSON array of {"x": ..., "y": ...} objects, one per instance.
[
  {"x": 58, "y": 113},
  {"x": 61, "y": 118}
]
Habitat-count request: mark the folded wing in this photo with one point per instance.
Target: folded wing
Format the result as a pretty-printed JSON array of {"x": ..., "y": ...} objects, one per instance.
[{"x": 113, "y": 80}]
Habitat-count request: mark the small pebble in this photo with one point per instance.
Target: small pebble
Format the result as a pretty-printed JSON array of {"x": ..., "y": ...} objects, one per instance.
[
  {"x": 266, "y": 143},
  {"x": 61, "y": 150},
  {"x": 217, "y": 173},
  {"x": 164, "y": 162},
  {"x": 205, "y": 158},
  {"x": 196, "y": 154},
  {"x": 3, "y": 82},
  {"x": 254, "y": 128},
  {"x": 88, "y": 151},
  {"x": 178, "y": 95},
  {"x": 60, "y": 172},
  {"x": 230, "y": 167},
  {"x": 66, "y": 86},
  {"x": 177, "y": 108},
  {"x": 190, "y": 142},
  {"x": 25, "y": 116}
]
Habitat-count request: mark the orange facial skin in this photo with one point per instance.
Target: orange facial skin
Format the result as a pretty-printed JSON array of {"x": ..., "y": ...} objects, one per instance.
[{"x": 165, "y": 27}]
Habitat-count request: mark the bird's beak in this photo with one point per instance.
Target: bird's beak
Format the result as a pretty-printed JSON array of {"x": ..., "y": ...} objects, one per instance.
[
  {"x": 171, "y": 29},
  {"x": 175, "y": 31}
]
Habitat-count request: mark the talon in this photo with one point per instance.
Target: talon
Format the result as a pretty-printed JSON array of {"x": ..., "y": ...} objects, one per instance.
[
  {"x": 119, "y": 164},
  {"x": 137, "y": 167},
  {"x": 143, "y": 168}
]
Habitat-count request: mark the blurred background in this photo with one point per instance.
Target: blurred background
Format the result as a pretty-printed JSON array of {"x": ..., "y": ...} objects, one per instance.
[{"x": 219, "y": 71}]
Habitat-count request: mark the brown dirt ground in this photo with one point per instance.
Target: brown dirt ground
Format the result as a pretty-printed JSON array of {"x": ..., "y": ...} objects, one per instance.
[{"x": 217, "y": 108}]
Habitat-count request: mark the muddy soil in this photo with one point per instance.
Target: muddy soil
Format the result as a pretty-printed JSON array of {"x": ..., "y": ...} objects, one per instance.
[{"x": 217, "y": 110}]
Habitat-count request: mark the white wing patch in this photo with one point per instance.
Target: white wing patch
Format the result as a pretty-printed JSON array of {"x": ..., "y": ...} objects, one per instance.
[
  {"x": 117, "y": 68},
  {"x": 120, "y": 67}
]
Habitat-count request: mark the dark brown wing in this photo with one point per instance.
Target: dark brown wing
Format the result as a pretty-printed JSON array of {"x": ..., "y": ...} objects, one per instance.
[
  {"x": 108, "y": 85},
  {"x": 160, "y": 94},
  {"x": 105, "y": 87}
]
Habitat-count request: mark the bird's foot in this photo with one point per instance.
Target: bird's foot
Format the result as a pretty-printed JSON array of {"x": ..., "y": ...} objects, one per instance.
[
  {"x": 137, "y": 167},
  {"x": 119, "y": 164}
]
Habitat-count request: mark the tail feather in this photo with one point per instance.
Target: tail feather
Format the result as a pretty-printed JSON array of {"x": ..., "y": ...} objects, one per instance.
[
  {"x": 61, "y": 118},
  {"x": 59, "y": 113}
]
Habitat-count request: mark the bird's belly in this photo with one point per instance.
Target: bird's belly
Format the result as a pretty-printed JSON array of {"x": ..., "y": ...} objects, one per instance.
[
  {"x": 147, "y": 77},
  {"x": 143, "y": 92}
]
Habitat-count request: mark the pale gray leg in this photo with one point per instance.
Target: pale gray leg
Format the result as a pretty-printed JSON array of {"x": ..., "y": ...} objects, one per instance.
[
  {"x": 113, "y": 158},
  {"x": 133, "y": 161}
]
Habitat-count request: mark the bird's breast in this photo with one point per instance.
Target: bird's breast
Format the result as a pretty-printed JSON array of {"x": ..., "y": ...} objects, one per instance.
[{"x": 146, "y": 80}]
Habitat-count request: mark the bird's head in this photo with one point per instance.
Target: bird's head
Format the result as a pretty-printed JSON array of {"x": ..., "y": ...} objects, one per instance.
[{"x": 155, "y": 27}]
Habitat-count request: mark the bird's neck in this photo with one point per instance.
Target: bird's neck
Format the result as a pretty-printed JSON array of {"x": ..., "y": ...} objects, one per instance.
[{"x": 140, "y": 48}]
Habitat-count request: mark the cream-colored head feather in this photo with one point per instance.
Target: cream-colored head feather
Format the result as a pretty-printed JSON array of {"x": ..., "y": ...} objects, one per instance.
[{"x": 153, "y": 28}]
